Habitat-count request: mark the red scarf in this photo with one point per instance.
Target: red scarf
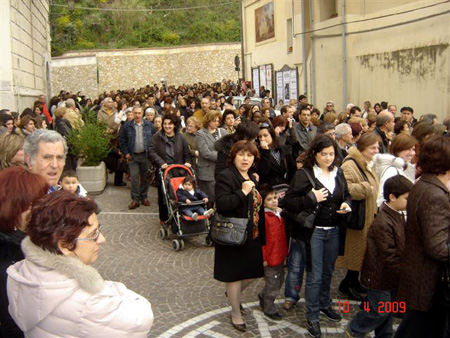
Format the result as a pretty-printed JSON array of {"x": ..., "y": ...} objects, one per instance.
[{"x": 46, "y": 113}]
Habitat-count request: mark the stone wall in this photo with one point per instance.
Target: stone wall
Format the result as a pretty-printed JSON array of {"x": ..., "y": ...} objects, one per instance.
[
  {"x": 25, "y": 36},
  {"x": 97, "y": 71}
]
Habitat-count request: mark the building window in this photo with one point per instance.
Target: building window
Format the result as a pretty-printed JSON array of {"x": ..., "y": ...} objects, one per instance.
[{"x": 289, "y": 37}]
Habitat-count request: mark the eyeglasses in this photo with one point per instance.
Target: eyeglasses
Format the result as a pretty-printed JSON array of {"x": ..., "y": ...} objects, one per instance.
[{"x": 93, "y": 238}]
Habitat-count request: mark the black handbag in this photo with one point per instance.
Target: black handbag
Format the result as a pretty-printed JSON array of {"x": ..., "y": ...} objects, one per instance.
[
  {"x": 356, "y": 219},
  {"x": 231, "y": 231}
]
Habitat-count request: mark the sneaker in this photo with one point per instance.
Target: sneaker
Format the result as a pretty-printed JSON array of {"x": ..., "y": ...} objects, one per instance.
[
  {"x": 208, "y": 212},
  {"x": 288, "y": 304},
  {"x": 331, "y": 314},
  {"x": 314, "y": 329},
  {"x": 195, "y": 216},
  {"x": 274, "y": 316}
]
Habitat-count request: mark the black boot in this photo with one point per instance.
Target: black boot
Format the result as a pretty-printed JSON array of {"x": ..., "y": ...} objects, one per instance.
[{"x": 347, "y": 289}]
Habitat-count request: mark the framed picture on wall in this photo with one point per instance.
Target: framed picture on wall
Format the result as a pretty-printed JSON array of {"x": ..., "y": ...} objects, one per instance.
[{"x": 265, "y": 22}]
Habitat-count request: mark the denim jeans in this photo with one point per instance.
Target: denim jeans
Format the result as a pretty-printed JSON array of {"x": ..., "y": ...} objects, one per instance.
[
  {"x": 324, "y": 252},
  {"x": 139, "y": 165},
  {"x": 295, "y": 269},
  {"x": 189, "y": 210},
  {"x": 365, "y": 322}
]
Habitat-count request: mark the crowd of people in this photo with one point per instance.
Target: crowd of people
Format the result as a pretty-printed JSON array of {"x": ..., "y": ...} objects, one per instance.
[{"x": 364, "y": 190}]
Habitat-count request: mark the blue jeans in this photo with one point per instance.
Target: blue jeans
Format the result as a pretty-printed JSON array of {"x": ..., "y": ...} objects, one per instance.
[
  {"x": 324, "y": 252},
  {"x": 189, "y": 210},
  {"x": 365, "y": 322},
  {"x": 295, "y": 269}
]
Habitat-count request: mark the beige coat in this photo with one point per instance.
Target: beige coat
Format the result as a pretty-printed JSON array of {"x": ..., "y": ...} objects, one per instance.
[{"x": 359, "y": 188}]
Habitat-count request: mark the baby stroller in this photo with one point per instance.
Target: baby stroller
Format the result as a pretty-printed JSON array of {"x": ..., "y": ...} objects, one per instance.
[{"x": 180, "y": 224}]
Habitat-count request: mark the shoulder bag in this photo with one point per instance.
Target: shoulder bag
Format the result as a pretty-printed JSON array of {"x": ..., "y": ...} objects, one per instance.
[
  {"x": 356, "y": 219},
  {"x": 231, "y": 231},
  {"x": 306, "y": 217}
]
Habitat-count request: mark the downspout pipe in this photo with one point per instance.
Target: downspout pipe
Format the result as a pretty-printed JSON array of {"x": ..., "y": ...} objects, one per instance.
[
  {"x": 313, "y": 70},
  {"x": 344, "y": 58},
  {"x": 305, "y": 75},
  {"x": 241, "y": 7}
]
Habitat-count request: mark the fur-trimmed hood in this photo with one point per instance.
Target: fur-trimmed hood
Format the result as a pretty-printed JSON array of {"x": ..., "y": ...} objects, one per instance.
[{"x": 46, "y": 276}]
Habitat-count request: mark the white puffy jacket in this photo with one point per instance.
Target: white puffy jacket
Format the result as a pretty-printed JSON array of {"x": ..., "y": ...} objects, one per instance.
[
  {"x": 387, "y": 166},
  {"x": 58, "y": 296}
]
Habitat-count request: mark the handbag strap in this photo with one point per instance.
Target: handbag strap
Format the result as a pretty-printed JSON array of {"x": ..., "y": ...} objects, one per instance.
[
  {"x": 362, "y": 172},
  {"x": 310, "y": 179}
]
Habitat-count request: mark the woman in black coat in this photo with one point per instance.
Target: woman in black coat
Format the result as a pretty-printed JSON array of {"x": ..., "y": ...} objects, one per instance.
[
  {"x": 237, "y": 197},
  {"x": 276, "y": 165},
  {"x": 20, "y": 188},
  {"x": 168, "y": 147},
  {"x": 244, "y": 131}
]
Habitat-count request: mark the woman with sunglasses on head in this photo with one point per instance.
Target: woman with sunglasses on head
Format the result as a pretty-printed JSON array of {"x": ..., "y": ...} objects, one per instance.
[
  {"x": 276, "y": 165},
  {"x": 54, "y": 292}
]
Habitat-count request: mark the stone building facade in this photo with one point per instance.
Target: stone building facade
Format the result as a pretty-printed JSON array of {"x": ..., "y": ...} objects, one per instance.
[
  {"x": 353, "y": 51},
  {"x": 96, "y": 71},
  {"x": 24, "y": 66}
]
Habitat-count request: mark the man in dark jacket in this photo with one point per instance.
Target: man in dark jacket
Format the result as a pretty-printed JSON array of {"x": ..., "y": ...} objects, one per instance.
[
  {"x": 384, "y": 127},
  {"x": 382, "y": 262},
  {"x": 134, "y": 143},
  {"x": 303, "y": 132}
]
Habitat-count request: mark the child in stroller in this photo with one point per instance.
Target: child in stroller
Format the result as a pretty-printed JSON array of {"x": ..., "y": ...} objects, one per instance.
[{"x": 187, "y": 193}]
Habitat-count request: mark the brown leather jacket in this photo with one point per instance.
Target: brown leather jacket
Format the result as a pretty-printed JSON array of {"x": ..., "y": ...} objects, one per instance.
[{"x": 426, "y": 242}]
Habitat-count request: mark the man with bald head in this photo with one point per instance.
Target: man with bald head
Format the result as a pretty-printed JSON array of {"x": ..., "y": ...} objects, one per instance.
[{"x": 384, "y": 128}]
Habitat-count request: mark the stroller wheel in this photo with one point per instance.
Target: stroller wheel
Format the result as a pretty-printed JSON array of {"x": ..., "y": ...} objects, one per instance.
[
  {"x": 208, "y": 241},
  {"x": 176, "y": 245},
  {"x": 163, "y": 233},
  {"x": 181, "y": 244}
]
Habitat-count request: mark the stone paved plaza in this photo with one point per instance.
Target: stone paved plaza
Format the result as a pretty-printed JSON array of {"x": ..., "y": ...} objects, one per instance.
[{"x": 186, "y": 300}]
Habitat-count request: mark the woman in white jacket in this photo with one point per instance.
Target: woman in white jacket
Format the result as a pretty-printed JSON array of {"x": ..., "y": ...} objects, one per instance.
[
  {"x": 397, "y": 162},
  {"x": 54, "y": 292}
]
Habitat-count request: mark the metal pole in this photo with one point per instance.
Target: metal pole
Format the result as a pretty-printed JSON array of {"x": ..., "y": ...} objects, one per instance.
[
  {"x": 344, "y": 58},
  {"x": 313, "y": 71},
  {"x": 241, "y": 19},
  {"x": 305, "y": 75}
]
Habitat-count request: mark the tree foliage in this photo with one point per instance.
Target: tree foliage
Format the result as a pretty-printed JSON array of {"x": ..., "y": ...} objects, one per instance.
[{"x": 100, "y": 29}]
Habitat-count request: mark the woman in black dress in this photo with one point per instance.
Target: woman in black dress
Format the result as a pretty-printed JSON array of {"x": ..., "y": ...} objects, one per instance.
[{"x": 236, "y": 196}]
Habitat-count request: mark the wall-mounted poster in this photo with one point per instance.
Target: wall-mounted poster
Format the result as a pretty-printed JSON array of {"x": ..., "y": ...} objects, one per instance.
[
  {"x": 264, "y": 22},
  {"x": 262, "y": 76},
  {"x": 293, "y": 84},
  {"x": 255, "y": 77},
  {"x": 286, "y": 85},
  {"x": 280, "y": 88},
  {"x": 269, "y": 78}
]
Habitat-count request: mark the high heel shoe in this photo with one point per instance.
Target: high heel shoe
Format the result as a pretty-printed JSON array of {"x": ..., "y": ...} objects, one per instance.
[
  {"x": 241, "y": 327},
  {"x": 243, "y": 311}
]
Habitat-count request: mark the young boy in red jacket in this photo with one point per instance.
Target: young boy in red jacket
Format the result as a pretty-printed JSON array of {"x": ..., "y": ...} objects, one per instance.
[{"x": 274, "y": 252}]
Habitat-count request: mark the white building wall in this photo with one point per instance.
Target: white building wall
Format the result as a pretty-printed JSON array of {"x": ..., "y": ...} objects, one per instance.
[
  {"x": 25, "y": 34},
  {"x": 398, "y": 52}
]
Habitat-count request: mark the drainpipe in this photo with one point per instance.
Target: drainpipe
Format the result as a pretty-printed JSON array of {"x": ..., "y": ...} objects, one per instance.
[
  {"x": 313, "y": 71},
  {"x": 241, "y": 19},
  {"x": 305, "y": 75},
  {"x": 344, "y": 58}
]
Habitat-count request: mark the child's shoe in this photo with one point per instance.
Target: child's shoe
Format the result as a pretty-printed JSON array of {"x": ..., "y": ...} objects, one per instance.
[
  {"x": 208, "y": 212},
  {"x": 195, "y": 216}
]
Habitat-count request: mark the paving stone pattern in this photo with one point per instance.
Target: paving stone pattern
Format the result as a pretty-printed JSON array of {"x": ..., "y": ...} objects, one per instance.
[{"x": 186, "y": 300}]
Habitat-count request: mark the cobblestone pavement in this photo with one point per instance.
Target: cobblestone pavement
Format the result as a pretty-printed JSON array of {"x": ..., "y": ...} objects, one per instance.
[{"x": 186, "y": 300}]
